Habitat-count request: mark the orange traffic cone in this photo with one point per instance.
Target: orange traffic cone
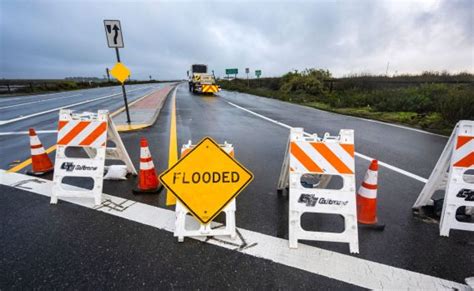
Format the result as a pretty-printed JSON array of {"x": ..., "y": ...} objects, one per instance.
[
  {"x": 367, "y": 199},
  {"x": 41, "y": 164},
  {"x": 147, "y": 180}
]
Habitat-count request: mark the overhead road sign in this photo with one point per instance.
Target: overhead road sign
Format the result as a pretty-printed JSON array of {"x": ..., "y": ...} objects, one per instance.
[
  {"x": 231, "y": 71},
  {"x": 113, "y": 32},
  {"x": 120, "y": 72},
  {"x": 206, "y": 180}
]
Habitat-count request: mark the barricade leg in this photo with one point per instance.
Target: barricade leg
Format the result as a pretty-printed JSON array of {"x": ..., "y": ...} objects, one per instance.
[{"x": 294, "y": 222}]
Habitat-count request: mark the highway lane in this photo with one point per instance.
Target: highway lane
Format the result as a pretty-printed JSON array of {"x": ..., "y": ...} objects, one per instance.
[
  {"x": 260, "y": 146},
  {"x": 413, "y": 151},
  {"x": 48, "y": 121},
  {"x": 407, "y": 242},
  {"x": 139, "y": 250}
]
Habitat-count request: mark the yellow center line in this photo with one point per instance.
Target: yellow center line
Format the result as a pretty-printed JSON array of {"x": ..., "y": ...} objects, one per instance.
[
  {"x": 173, "y": 147},
  {"x": 26, "y": 163}
]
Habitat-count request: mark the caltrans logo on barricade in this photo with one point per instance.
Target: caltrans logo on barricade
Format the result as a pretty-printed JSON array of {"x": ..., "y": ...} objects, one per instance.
[
  {"x": 89, "y": 131},
  {"x": 454, "y": 174},
  {"x": 206, "y": 179},
  {"x": 322, "y": 158}
]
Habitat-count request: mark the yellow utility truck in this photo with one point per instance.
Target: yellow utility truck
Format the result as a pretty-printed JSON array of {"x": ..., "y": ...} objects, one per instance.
[{"x": 200, "y": 81}]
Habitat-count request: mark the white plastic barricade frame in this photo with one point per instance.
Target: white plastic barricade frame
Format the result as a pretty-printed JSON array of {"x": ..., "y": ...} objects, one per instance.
[
  {"x": 327, "y": 156},
  {"x": 89, "y": 131},
  {"x": 187, "y": 226},
  {"x": 454, "y": 174}
]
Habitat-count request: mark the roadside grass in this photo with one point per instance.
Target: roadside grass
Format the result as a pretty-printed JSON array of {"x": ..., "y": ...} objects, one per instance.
[{"x": 432, "y": 122}]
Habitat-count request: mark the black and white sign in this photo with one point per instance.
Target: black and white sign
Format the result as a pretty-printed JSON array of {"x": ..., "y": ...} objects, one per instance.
[{"x": 113, "y": 32}]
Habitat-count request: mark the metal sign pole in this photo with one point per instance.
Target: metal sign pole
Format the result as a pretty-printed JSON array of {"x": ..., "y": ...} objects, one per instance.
[{"x": 123, "y": 90}]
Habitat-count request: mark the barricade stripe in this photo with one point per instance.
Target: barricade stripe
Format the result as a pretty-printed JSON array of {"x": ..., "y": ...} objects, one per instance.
[
  {"x": 349, "y": 148},
  {"x": 462, "y": 140},
  {"x": 61, "y": 124},
  {"x": 303, "y": 158},
  {"x": 465, "y": 162},
  {"x": 331, "y": 158},
  {"x": 101, "y": 129},
  {"x": 298, "y": 166},
  {"x": 84, "y": 133},
  {"x": 73, "y": 133},
  {"x": 67, "y": 127},
  {"x": 318, "y": 158},
  {"x": 342, "y": 155}
]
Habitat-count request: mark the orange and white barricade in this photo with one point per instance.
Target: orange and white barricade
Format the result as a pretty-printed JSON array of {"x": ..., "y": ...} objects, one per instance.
[
  {"x": 187, "y": 226},
  {"x": 454, "y": 173},
  {"x": 326, "y": 157},
  {"x": 89, "y": 131}
]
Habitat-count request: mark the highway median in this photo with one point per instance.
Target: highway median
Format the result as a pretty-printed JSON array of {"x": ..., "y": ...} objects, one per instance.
[{"x": 143, "y": 111}]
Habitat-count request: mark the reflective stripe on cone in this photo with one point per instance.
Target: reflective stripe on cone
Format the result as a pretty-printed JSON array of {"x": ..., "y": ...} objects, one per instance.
[
  {"x": 147, "y": 179},
  {"x": 41, "y": 163},
  {"x": 367, "y": 196}
]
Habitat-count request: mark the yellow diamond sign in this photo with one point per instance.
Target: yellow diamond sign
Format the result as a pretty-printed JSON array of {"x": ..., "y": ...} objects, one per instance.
[
  {"x": 206, "y": 180},
  {"x": 120, "y": 72}
]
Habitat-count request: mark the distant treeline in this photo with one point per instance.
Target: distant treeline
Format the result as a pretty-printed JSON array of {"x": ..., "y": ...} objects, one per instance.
[
  {"x": 37, "y": 86},
  {"x": 444, "y": 98}
]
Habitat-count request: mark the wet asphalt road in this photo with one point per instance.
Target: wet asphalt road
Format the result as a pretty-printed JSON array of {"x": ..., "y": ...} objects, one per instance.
[
  {"x": 110, "y": 252},
  {"x": 15, "y": 107}
]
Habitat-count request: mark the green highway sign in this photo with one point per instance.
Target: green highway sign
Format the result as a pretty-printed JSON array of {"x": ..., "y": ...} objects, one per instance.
[
  {"x": 231, "y": 71},
  {"x": 258, "y": 73}
]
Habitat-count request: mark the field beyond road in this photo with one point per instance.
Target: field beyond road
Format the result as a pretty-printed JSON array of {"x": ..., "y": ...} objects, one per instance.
[{"x": 430, "y": 101}]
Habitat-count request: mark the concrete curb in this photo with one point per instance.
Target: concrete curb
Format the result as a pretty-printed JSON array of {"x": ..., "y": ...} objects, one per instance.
[{"x": 134, "y": 127}]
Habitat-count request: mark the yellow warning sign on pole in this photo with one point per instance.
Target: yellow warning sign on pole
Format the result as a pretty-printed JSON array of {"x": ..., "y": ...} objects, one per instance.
[
  {"x": 206, "y": 180},
  {"x": 120, "y": 72}
]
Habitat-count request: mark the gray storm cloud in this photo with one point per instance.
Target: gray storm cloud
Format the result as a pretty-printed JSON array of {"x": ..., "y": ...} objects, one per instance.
[{"x": 55, "y": 39}]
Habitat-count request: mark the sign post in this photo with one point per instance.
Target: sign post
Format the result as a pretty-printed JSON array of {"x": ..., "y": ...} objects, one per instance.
[
  {"x": 206, "y": 179},
  {"x": 258, "y": 73},
  {"x": 113, "y": 33},
  {"x": 247, "y": 70}
]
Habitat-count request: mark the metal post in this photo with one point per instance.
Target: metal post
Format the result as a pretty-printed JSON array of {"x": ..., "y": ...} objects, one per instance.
[
  {"x": 123, "y": 90},
  {"x": 248, "y": 82}
]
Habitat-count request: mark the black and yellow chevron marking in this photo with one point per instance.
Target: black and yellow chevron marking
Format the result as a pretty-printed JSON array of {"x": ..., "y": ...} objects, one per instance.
[{"x": 210, "y": 89}]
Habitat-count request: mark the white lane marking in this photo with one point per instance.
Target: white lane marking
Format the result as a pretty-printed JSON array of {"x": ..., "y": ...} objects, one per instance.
[
  {"x": 2, "y": 122},
  {"x": 5, "y": 99},
  {"x": 38, "y": 101},
  {"x": 346, "y": 268},
  {"x": 356, "y": 117},
  {"x": 399, "y": 126},
  {"x": 393, "y": 168},
  {"x": 26, "y": 132},
  {"x": 388, "y": 166}
]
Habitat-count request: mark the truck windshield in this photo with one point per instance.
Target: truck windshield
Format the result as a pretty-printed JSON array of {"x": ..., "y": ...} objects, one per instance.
[{"x": 199, "y": 69}]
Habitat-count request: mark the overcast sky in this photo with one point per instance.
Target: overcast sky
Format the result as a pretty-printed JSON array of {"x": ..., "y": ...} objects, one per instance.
[{"x": 56, "y": 39}]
